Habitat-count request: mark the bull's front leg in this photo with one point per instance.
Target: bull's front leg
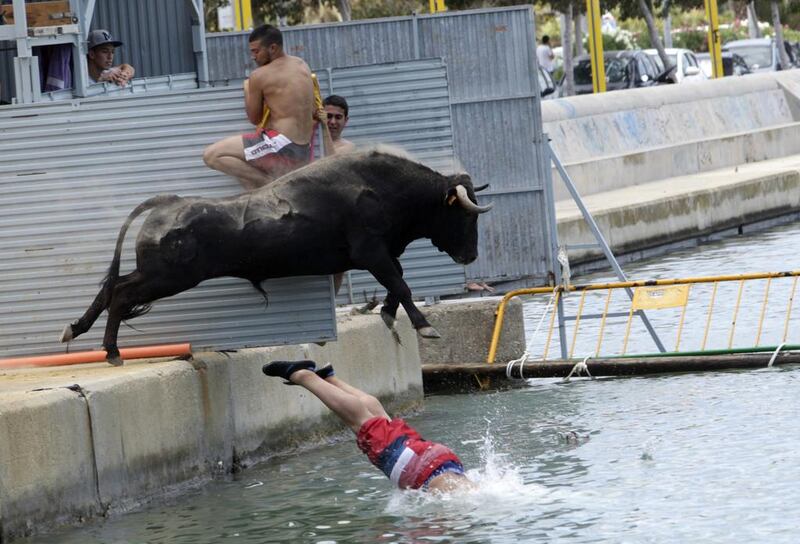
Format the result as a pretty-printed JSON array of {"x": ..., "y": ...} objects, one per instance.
[
  {"x": 391, "y": 302},
  {"x": 387, "y": 275}
]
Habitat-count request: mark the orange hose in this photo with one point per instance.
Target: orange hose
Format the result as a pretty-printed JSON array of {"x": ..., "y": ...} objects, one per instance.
[{"x": 81, "y": 357}]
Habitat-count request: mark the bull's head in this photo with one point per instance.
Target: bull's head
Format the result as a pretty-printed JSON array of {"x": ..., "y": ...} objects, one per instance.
[{"x": 457, "y": 230}]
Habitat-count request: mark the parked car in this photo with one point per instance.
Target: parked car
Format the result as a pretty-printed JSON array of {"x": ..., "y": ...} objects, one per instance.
[
  {"x": 547, "y": 87},
  {"x": 732, "y": 64},
  {"x": 687, "y": 69},
  {"x": 624, "y": 70},
  {"x": 796, "y": 52},
  {"x": 761, "y": 54}
]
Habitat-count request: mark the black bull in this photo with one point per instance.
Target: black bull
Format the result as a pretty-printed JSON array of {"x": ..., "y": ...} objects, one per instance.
[{"x": 356, "y": 211}]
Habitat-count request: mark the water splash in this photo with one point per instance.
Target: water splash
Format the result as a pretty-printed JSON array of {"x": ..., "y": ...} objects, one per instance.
[{"x": 499, "y": 486}]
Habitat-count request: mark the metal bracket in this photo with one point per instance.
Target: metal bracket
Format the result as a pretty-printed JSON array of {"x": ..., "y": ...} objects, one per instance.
[{"x": 573, "y": 191}]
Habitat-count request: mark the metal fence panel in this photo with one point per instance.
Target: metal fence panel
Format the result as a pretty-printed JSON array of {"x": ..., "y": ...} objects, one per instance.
[
  {"x": 157, "y": 34},
  {"x": 407, "y": 104},
  {"x": 71, "y": 171},
  {"x": 491, "y": 62}
]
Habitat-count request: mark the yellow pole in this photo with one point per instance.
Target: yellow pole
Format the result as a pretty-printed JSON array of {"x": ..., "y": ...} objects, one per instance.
[
  {"x": 763, "y": 312},
  {"x": 714, "y": 40},
  {"x": 603, "y": 324},
  {"x": 736, "y": 314},
  {"x": 596, "y": 46},
  {"x": 243, "y": 14},
  {"x": 577, "y": 324},
  {"x": 437, "y": 6},
  {"x": 710, "y": 311},
  {"x": 789, "y": 310}
]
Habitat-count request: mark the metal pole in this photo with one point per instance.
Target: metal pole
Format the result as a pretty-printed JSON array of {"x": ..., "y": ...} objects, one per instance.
[
  {"x": 593, "y": 15},
  {"x": 714, "y": 40},
  {"x": 199, "y": 42},
  {"x": 552, "y": 250},
  {"x": 601, "y": 241}
]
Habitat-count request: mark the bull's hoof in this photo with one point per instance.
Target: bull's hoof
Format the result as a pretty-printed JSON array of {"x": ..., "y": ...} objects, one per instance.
[
  {"x": 114, "y": 360},
  {"x": 428, "y": 332},
  {"x": 66, "y": 334},
  {"x": 388, "y": 319}
]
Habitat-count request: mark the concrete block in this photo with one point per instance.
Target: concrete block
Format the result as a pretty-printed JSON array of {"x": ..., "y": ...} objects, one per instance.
[
  {"x": 149, "y": 429},
  {"x": 269, "y": 416},
  {"x": 372, "y": 360},
  {"x": 46, "y": 463},
  {"x": 466, "y": 328}
]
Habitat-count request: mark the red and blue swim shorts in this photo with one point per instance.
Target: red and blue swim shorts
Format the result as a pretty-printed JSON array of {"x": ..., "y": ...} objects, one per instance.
[{"x": 400, "y": 452}]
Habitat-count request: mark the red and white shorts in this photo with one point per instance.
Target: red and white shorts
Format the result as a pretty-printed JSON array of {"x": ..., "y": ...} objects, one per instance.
[{"x": 273, "y": 153}]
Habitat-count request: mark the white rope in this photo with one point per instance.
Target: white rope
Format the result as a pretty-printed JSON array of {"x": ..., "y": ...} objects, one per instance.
[
  {"x": 578, "y": 368},
  {"x": 546, "y": 311},
  {"x": 775, "y": 355},
  {"x": 525, "y": 356},
  {"x": 510, "y": 366}
]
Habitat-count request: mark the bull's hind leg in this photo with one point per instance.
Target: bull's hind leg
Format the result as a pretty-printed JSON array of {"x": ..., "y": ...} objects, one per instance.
[
  {"x": 85, "y": 322},
  {"x": 131, "y": 299}
]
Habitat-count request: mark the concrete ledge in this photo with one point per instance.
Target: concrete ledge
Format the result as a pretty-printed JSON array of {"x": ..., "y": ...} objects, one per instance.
[
  {"x": 100, "y": 439},
  {"x": 667, "y": 211},
  {"x": 620, "y": 171},
  {"x": 466, "y": 327},
  {"x": 47, "y": 473}
]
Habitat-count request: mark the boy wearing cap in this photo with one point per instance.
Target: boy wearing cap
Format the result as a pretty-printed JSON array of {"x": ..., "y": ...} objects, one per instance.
[
  {"x": 101, "y": 59},
  {"x": 392, "y": 445}
]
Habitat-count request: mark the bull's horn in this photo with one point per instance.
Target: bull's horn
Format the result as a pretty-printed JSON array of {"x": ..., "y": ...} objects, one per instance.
[
  {"x": 467, "y": 204},
  {"x": 480, "y": 188}
]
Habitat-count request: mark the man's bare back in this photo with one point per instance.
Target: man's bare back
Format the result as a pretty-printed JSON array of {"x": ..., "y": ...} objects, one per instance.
[
  {"x": 279, "y": 100},
  {"x": 286, "y": 88}
]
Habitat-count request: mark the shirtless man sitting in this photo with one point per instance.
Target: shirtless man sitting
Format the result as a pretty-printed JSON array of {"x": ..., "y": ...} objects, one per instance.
[{"x": 279, "y": 100}]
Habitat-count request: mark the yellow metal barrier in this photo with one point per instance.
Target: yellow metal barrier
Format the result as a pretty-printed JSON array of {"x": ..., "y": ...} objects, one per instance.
[{"x": 650, "y": 295}]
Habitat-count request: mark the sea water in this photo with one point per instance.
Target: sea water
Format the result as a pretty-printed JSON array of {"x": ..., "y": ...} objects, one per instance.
[{"x": 697, "y": 457}]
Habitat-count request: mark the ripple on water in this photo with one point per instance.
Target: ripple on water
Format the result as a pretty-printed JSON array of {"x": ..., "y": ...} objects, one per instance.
[{"x": 676, "y": 458}]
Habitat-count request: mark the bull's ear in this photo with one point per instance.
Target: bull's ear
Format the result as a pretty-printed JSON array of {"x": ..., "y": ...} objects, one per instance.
[
  {"x": 480, "y": 188},
  {"x": 451, "y": 197}
]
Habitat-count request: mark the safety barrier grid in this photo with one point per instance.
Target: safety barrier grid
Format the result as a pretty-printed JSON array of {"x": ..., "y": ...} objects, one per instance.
[{"x": 714, "y": 301}]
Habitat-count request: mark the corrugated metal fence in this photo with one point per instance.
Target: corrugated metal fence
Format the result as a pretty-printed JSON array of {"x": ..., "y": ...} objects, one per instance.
[
  {"x": 157, "y": 37},
  {"x": 71, "y": 171},
  {"x": 407, "y": 104},
  {"x": 157, "y": 34},
  {"x": 490, "y": 56}
]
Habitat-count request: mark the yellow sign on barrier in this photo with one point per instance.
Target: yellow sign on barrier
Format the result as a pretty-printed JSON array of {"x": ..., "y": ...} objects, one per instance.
[{"x": 656, "y": 298}]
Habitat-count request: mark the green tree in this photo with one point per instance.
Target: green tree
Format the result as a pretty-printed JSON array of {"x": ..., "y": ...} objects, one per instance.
[{"x": 210, "y": 8}]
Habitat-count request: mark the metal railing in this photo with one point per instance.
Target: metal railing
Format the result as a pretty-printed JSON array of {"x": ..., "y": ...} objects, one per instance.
[{"x": 679, "y": 295}]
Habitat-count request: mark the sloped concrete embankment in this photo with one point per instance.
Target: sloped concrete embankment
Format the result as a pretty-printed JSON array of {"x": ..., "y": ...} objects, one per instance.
[
  {"x": 82, "y": 442},
  {"x": 659, "y": 165}
]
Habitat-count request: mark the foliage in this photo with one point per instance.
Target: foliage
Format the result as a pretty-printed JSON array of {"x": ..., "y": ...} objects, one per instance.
[
  {"x": 695, "y": 40},
  {"x": 617, "y": 40},
  {"x": 371, "y": 9},
  {"x": 210, "y": 11}
]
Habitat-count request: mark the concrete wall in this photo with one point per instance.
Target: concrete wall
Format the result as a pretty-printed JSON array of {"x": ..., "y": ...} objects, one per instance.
[
  {"x": 466, "y": 327},
  {"x": 78, "y": 442},
  {"x": 727, "y": 199},
  {"x": 625, "y": 138}
]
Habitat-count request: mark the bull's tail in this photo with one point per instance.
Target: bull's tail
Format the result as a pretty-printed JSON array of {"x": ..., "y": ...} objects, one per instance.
[
  {"x": 113, "y": 270},
  {"x": 103, "y": 298}
]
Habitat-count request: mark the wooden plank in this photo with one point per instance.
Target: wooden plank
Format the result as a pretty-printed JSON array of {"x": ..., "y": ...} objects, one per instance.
[
  {"x": 456, "y": 377},
  {"x": 39, "y": 13}
]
